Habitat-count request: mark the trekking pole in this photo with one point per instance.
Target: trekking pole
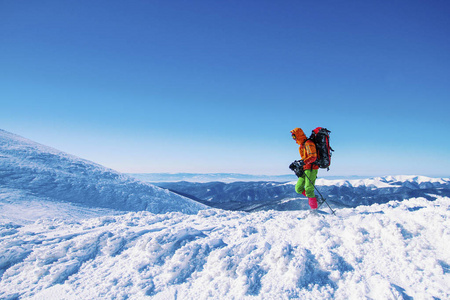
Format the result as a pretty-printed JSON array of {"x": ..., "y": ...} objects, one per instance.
[{"x": 323, "y": 199}]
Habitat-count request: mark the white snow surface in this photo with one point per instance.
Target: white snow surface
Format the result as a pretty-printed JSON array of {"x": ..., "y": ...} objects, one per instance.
[
  {"x": 23, "y": 208},
  {"x": 50, "y": 174},
  {"x": 397, "y": 250}
]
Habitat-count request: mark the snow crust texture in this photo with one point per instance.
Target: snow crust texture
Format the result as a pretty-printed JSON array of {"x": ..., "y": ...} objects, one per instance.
[
  {"x": 38, "y": 171},
  {"x": 397, "y": 250}
]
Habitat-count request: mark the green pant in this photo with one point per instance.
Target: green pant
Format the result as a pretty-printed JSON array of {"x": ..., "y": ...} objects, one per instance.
[{"x": 307, "y": 185}]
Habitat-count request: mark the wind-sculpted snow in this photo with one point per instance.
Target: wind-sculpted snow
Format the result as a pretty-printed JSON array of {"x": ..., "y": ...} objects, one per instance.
[
  {"x": 47, "y": 173},
  {"x": 397, "y": 250},
  {"x": 250, "y": 196}
]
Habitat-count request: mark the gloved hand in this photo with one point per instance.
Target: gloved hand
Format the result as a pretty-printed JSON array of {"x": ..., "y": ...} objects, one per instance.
[
  {"x": 293, "y": 166},
  {"x": 296, "y": 164},
  {"x": 297, "y": 167}
]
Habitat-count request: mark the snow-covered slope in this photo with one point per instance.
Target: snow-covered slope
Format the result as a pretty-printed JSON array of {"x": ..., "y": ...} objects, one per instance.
[
  {"x": 42, "y": 172},
  {"x": 22, "y": 208},
  {"x": 397, "y": 250}
]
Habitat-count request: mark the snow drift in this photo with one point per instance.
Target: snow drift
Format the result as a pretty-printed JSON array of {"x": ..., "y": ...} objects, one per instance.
[
  {"x": 39, "y": 171},
  {"x": 397, "y": 250}
]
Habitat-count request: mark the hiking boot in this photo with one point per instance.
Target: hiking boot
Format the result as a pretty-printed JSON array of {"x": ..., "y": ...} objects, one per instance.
[{"x": 312, "y": 203}]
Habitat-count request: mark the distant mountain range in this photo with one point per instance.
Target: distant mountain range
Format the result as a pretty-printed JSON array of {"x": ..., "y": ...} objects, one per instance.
[
  {"x": 222, "y": 177},
  {"x": 251, "y": 196},
  {"x": 207, "y": 177}
]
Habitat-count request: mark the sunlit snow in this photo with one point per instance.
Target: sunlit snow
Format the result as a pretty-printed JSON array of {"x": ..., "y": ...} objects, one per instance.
[{"x": 54, "y": 245}]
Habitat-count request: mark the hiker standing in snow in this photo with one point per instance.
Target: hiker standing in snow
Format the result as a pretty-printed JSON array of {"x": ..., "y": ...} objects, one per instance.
[{"x": 308, "y": 153}]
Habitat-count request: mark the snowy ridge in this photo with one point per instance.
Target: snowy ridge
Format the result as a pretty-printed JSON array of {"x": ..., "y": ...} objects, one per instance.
[
  {"x": 382, "y": 182},
  {"x": 397, "y": 250},
  {"x": 340, "y": 193},
  {"x": 53, "y": 175},
  {"x": 370, "y": 182}
]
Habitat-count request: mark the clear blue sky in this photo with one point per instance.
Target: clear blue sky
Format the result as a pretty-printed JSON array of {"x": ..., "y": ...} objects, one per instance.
[{"x": 216, "y": 86}]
